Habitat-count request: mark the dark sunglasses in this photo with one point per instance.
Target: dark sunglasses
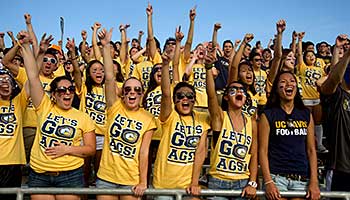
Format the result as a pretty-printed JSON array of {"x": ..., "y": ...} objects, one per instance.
[
  {"x": 52, "y": 60},
  {"x": 128, "y": 89},
  {"x": 181, "y": 95},
  {"x": 157, "y": 69},
  {"x": 256, "y": 60},
  {"x": 232, "y": 91},
  {"x": 63, "y": 90}
]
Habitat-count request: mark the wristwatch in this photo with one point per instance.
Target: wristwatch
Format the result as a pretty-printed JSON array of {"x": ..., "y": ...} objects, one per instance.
[{"x": 253, "y": 184}]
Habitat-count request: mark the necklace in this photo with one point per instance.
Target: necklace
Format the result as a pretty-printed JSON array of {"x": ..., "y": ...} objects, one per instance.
[{"x": 193, "y": 123}]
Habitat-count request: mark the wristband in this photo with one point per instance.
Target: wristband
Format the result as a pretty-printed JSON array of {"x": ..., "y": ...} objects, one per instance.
[
  {"x": 208, "y": 66},
  {"x": 253, "y": 184},
  {"x": 19, "y": 44},
  {"x": 268, "y": 182}
]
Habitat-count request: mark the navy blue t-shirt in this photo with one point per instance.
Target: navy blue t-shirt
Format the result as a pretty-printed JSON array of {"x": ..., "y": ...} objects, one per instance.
[
  {"x": 222, "y": 65},
  {"x": 287, "y": 141}
]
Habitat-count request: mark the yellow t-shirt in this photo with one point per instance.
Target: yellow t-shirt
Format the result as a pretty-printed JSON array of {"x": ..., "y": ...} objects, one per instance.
[
  {"x": 94, "y": 104},
  {"x": 175, "y": 157},
  {"x": 198, "y": 80},
  {"x": 11, "y": 137},
  {"x": 59, "y": 71},
  {"x": 120, "y": 155},
  {"x": 153, "y": 100},
  {"x": 58, "y": 125},
  {"x": 250, "y": 107},
  {"x": 308, "y": 76},
  {"x": 260, "y": 85},
  {"x": 142, "y": 72},
  {"x": 230, "y": 157}
]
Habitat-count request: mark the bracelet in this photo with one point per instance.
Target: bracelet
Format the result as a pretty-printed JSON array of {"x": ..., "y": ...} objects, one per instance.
[
  {"x": 268, "y": 182},
  {"x": 76, "y": 57},
  {"x": 208, "y": 66},
  {"x": 19, "y": 44}
]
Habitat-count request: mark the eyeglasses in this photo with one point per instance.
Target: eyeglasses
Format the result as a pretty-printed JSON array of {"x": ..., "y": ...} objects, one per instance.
[
  {"x": 232, "y": 91},
  {"x": 171, "y": 43},
  {"x": 181, "y": 95},
  {"x": 62, "y": 90},
  {"x": 136, "y": 89},
  {"x": 52, "y": 60},
  {"x": 68, "y": 63},
  {"x": 5, "y": 79}
]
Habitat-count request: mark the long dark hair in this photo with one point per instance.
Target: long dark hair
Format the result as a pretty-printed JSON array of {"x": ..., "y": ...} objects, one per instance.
[
  {"x": 274, "y": 99},
  {"x": 54, "y": 82},
  {"x": 118, "y": 76},
  {"x": 89, "y": 82},
  {"x": 152, "y": 84}
]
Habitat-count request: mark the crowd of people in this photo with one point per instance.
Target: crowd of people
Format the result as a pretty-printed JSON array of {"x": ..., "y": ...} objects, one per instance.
[{"x": 119, "y": 115}]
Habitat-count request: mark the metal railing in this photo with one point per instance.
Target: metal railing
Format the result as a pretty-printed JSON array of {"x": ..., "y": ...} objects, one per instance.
[{"x": 177, "y": 193}]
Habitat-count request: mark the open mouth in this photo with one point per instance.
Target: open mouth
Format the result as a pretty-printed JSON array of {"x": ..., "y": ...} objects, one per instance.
[
  {"x": 239, "y": 97},
  {"x": 185, "y": 105},
  {"x": 289, "y": 91}
]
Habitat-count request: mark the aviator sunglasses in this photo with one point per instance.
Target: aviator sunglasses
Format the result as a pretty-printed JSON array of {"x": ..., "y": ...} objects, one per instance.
[{"x": 128, "y": 89}]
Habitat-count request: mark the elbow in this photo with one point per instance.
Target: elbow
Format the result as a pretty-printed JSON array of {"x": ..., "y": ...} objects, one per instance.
[{"x": 90, "y": 151}]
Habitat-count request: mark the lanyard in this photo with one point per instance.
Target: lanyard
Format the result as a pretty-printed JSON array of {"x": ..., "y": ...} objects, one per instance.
[{"x": 245, "y": 129}]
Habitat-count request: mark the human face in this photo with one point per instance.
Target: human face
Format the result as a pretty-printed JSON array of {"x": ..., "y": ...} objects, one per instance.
[
  {"x": 5, "y": 87},
  {"x": 267, "y": 56},
  {"x": 68, "y": 66},
  {"x": 170, "y": 47},
  {"x": 247, "y": 51},
  {"x": 310, "y": 58},
  {"x": 323, "y": 48},
  {"x": 287, "y": 87},
  {"x": 135, "y": 43},
  {"x": 97, "y": 73},
  {"x": 236, "y": 95},
  {"x": 158, "y": 74},
  {"x": 310, "y": 48},
  {"x": 16, "y": 60},
  {"x": 49, "y": 65},
  {"x": 257, "y": 61},
  {"x": 246, "y": 74},
  {"x": 227, "y": 49},
  {"x": 184, "y": 101},
  {"x": 289, "y": 62},
  {"x": 132, "y": 92},
  {"x": 201, "y": 51},
  {"x": 64, "y": 94},
  {"x": 133, "y": 51}
]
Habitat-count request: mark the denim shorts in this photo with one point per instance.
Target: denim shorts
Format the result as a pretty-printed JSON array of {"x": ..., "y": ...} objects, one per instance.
[
  {"x": 100, "y": 183},
  {"x": 73, "y": 178},
  {"x": 215, "y": 183},
  {"x": 286, "y": 184}
]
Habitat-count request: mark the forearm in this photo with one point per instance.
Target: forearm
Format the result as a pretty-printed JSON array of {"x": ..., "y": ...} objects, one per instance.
[
  {"x": 233, "y": 70},
  {"x": 81, "y": 151},
  {"x": 277, "y": 56},
  {"x": 7, "y": 60},
  {"x": 2, "y": 43},
  {"x": 189, "y": 41},
  {"x": 199, "y": 160},
  {"x": 97, "y": 51},
  {"x": 33, "y": 38},
  {"x": 176, "y": 61},
  {"x": 76, "y": 72},
  {"x": 143, "y": 166},
  {"x": 124, "y": 47}
]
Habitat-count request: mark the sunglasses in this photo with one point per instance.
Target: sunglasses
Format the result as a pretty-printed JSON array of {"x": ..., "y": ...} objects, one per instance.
[
  {"x": 5, "y": 80},
  {"x": 62, "y": 90},
  {"x": 157, "y": 69},
  {"x": 52, "y": 60},
  {"x": 232, "y": 91},
  {"x": 136, "y": 89},
  {"x": 181, "y": 95},
  {"x": 256, "y": 60}
]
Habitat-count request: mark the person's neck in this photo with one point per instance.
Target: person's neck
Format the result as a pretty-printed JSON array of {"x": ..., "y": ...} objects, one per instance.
[
  {"x": 235, "y": 112},
  {"x": 287, "y": 106},
  {"x": 200, "y": 61}
]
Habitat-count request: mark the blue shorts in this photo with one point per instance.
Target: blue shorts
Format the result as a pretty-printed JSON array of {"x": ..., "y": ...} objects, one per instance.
[
  {"x": 286, "y": 184},
  {"x": 215, "y": 183},
  {"x": 100, "y": 183},
  {"x": 73, "y": 179}
]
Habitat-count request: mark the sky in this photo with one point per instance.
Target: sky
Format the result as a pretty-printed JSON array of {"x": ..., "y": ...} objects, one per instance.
[{"x": 322, "y": 20}]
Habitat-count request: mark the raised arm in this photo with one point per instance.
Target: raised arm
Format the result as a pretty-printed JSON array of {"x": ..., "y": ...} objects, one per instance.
[
  {"x": 124, "y": 47},
  {"x": 189, "y": 66},
  {"x": 176, "y": 60},
  {"x": 2, "y": 41},
  {"x": 96, "y": 48},
  {"x": 300, "y": 50},
  {"x": 36, "y": 89},
  {"x": 337, "y": 72},
  {"x": 84, "y": 55},
  {"x": 44, "y": 45},
  {"x": 188, "y": 45},
  {"x": 76, "y": 73},
  {"x": 233, "y": 70},
  {"x": 214, "y": 39},
  {"x": 7, "y": 60},
  {"x": 139, "y": 38},
  {"x": 165, "y": 108},
  {"x": 215, "y": 111},
  {"x": 13, "y": 39},
  {"x": 150, "y": 35},
  {"x": 339, "y": 43},
  {"x": 32, "y": 35},
  {"x": 277, "y": 54},
  {"x": 294, "y": 42},
  {"x": 110, "y": 86}
]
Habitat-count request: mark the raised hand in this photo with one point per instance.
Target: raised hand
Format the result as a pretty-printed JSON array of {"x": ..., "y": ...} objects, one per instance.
[
  {"x": 23, "y": 37},
  {"x": 248, "y": 38},
  {"x": 45, "y": 42},
  {"x": 70, "y": 45},
  {"x": 28, "y": 18},
  {"x": 294, "y": 35},
  {"x": 10, "y": 33},
  {"x": 237, "y": 42},
  {"x": 193, "y": 13},
  {"x": 2, "y": 34},
  {"x": 149, "y": 9},
  {"x": 341, "y": 40},
  {"x": 141, "y": 33},
  {"x": 301, "y": 35},
  {"x": 178, "y": 34},
  {"x": 96, "y": 26},
  {"x": 84, "y": 34},
  {"x": 217, "y": 26},
  {"x": 281, "y": 26},
  {"x": 105, "y": 36}
]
